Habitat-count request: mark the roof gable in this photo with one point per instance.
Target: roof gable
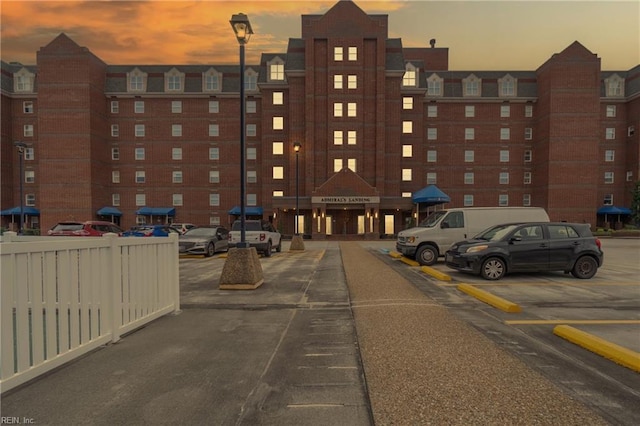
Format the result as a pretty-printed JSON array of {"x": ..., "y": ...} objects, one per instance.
[{"x": 345, "y": 182}]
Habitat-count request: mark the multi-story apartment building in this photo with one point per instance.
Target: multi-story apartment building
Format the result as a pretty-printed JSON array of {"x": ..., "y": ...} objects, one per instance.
[{"x": 377, "y": 122}]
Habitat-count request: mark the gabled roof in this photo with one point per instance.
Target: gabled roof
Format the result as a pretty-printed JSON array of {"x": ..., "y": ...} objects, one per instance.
[{"x": 346, "y": 182}]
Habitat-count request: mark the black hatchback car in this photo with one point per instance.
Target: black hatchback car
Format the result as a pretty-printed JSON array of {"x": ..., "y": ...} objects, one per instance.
[{"x": 528, "y": 247}]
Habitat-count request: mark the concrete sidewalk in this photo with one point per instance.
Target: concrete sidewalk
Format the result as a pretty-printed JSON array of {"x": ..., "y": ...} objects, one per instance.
[{"x": 289, "y": 353}]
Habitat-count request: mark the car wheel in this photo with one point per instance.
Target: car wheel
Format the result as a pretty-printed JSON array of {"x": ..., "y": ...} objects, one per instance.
[
  {"x": 267, "y": 252},
  {"x": 493, "y": 268},
  {"x": 585, "y": 268},
  {"x": 427, "y": 255},
  {"x": 211, "y": 250},
  {"x": 279, "y": 247}
]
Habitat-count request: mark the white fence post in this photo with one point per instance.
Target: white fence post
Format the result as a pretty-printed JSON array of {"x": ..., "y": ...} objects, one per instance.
[{"x": 114, "y": 304}]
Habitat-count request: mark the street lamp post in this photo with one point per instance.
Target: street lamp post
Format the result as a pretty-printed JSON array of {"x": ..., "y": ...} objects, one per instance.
[
  {"x": 21, "y": 147},
  {"x": 242, "y": 28},
  {"x": 296, "y": 148}
]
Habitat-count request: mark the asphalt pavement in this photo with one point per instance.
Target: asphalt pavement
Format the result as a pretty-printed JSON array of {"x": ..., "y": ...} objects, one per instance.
[{"x": 333, "y": 337}]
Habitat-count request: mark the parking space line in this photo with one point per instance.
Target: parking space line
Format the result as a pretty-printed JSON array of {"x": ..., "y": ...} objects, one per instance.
[{"x": 561, "y": 321}]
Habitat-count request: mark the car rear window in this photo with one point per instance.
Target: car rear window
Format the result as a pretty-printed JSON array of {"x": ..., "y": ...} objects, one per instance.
[{"x": 68, "y": 227}]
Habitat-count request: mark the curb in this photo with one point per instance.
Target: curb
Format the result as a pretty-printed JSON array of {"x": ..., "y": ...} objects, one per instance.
[
  {"x": 409, "y": 261},
  {"x": 616, "y": 353},
  {"x": 495, "y": 301},
  {"x": 435, "y": 273}
]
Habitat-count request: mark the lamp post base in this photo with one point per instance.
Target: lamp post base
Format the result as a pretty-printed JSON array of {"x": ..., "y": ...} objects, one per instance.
[
  {"x": 242, "y": 270},
  {"x": 297, "y": 244}
]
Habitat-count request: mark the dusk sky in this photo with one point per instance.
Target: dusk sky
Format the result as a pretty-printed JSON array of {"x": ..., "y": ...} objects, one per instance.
[{"x": 480, "y": 35}]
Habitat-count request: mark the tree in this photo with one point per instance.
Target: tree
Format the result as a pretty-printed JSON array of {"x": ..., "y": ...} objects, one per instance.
[{"x": 635, "y": 204}]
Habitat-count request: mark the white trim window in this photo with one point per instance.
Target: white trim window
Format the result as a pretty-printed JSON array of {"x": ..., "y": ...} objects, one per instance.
[
  {"x": 526, "y": 200},
  {"x": 610, "y": 133},
  {"x": 27, "y": 107},
  {"x": 469, "y": 156},
  {"x": 115, "y": 130},
  {"x": 410, "y": 77},
  {"x": 214, "y": 200},
  {"x": 214, "y": 153},
  {"x": 435, "y": 85},
  {"x": 504, "y": 178},
  {"x": 611, "y": 111},
  {"x": 176, "y": 107},
  {"x": 214, "y": 176},
  {"x": 407, "y": 102},
  {"x": 174, "y": 81},
  {"x": 614, "y": 86},
  {"x": 137, "y": 81},
  {"x": 176, "y": 153},
  {"x": 469, "y": 111},
  {"x": 115, "y": 153},
  {"x": 141, "y": 200},
  {"x": 23, "y": 81},
  {"x": 277, "y": 98},
  {"x": 337, "y": 109},
  {"x": 469, "y": 134},
  {"x": 250, "y": 80},
  {"x": 337, "y": 81},
  {"x": 338, "y": 54},
  {"x": 432, "y": 111},
  {"x": 176, "y": 130},
  {"x": 471, "y": 86},
  {"x": 505, "y": 134},
  {"x": 214, "y": 107},
  {"x": 140, "y": 176},
  {"x": 115, "y": 199},
  {"x": 139, "y": 130},
  {"x": 432, "y": 178},
  {"x": 608, "y": 177},
  {"x": 27, "y": 130},
  {"x": 214, "y": 130},
  {"x": 338, "y": 137},
  {"x": 527, "y": 178},
  {"x": 352, "y": 109},
  {"x": 609, "y": 155},
  {"x": 469, "y": 178},
  {"x": 115, "y": 107},
  {"x": 432, "y": 156},
  {"x": 177, "y": 199},
  {"x": 507, "y": 86},
  {"x": 352, "y": 82},
  {"x": 139, "y": 154},
  {"x": 504, "y": 156},
  {"x": 138, "y": 107},
  {"x": 468, "y": 200},
  {"x": 176, "y": 176},
  {"x": 252, "y": 176},
  {"x": 503, "y": 200},
  {"x": 211, "y": 81},
  {"x": 528, "y": 111},
  {"x": 528, "y": 133},
  {"x": 353, "y": 53},
  {"x": 251, "y": 107},
  {"x": 352, "y": 137}
]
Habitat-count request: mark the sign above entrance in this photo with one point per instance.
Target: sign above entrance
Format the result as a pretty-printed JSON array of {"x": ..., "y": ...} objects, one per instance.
[{"x": 345, "y": 200}]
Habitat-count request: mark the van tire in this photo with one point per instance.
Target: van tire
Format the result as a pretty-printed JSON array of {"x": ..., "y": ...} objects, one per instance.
[
  {"x": 267, "y": 252},
  {"x": 427, "y": 255}
]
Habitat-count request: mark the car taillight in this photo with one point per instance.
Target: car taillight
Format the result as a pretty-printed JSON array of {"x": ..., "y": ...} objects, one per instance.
[
  {"x": 263, "y": 237},
  {"x": 598, "y": 243}
]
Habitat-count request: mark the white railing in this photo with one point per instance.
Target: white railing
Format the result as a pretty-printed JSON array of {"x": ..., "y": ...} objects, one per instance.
[{"x": 62, "y": 297}]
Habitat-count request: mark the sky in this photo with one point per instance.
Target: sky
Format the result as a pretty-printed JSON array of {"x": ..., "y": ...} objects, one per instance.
[{"x": 481, "y": 35}]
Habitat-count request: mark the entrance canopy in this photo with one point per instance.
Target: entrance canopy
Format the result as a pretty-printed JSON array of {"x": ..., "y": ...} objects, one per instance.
[
  {"x": 156, "y": 211},
  {"x": 249, "y": 211},
  {"x": 15, "y": 211},
  {"x": 109, "y": 211},
  {"x": 431, "y": 195},
  {"x": 613, "y": 210}
]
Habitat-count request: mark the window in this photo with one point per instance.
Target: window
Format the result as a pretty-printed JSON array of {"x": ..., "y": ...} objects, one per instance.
[
  {"x": 115, "y": 176},
  {"x": 252, "y": 176},
  {"x": 337, "y": 81},
  {"x": 505, "y": 111},
  {"x": 176, "y": 130},
  {"x": 410, "y": 78},
  {"x": 407, "y": 127},
  {"x": 608, "y": 177},
  {"x": 504, "y": 156},
  {"x": 176, "y": 153},
  {"x": 277, "y": 98},
  {"x": 434, "y": 86},
  {"x": 176, "y": 176},
  {"x": 609, "y": 155},
  {"x": 139, "y": 130},
  {"x": 471, "y": 86},
  {"x": 352, "y": 109},
  {"x": 23, "y": 81},
  {"x": 115, "y": 199},
  {"x": 337, "y": 164},
  {"x": 631, "y": 130},
  {"x": 352, "y": 138},
  {"x": 432, "y": 133},
  {"x": 469, "y": 178},
  {"x": 28, "y": 130},
  {"x": 141, "y": 200},
  {"x": 251, "y": 130},
  {"x": 214, "y": 130},
  {"x": 138, "y": 107},
  {"x": 140, "y": 176},
  {"x": 353, "y": 53},
  {"x": 251, "y": 80},
  {"x": 528, "y": 133},
  {"x": 214, "y": 107},
  {"x": 115, "y": 107},
  {"x": 276, "y": 71},
  {"x": 338, "y": 137},
  {"x": 278, "y": 193},
  {"x": 469, "y": 111},
  {"x": 503, "y": 200},
  {"x": 608, "y": 200},
  {"x": 211, "y": 82},
  {"x": 173, "y": 80},
  {"x": 432, "y": 178},
  {"x": 250, "y": 107},
  {"x": 352, "y": 82},
  {"x": 526, "y": 200},
  {"x": 115, "y": 153},
  {"x": 469, "y": 156},
  {"x": 527, "y": 178},
  {"x": 610, "y": 133},
  {"x": 30, "y": 199},
  {"x": 528, "y": 155},
  {"x": 29, "y": 176},
  {"x": 406, "y": 175},
  {"x": 469, "y": 134},
  {"x": 278, "y": 172},
  {"x": 468, "y": 200},
  {"x": 614, "y": 86},
  {"x": 176, "y": 107},
  {"x": 27, "y": 107},
  {"x": 214, "y": 176},
  {"x": 407, "y": 102},
  {"x": 407, "y": 151},
  {"x": 139, "y": 154},
  {"x": 177, "y": 199},
  {"x": 252, "y": 154},
  {"x": 337, "y": 109},
  {"x": 252, "y": 199},
  {"x": 29, "y": 154},
  {"x": 277, "y": 148},
  {"x": 611, "y": 110},
  {"x": 432, "y": 156},
  {"x": 137, "y": 80},
  {"x": 504, "y": 178},
  {"x": 214, "y": 153},
  {"x": 278, "y": 123},
  {"x": 528, "y": 110},
  {"x": 115, "y": 130},
  {"x": 351, "y": 164},
  {"x": 629, "y": 176},
  {"x": 507, "y": 86},
  {"x": 337, "y": 53},
  {"x": 214, "y": 199},
  {"x": 432, "y": 111}
]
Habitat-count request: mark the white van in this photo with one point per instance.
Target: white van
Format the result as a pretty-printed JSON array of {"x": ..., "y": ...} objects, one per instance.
[{"x": 440, "y": 229}]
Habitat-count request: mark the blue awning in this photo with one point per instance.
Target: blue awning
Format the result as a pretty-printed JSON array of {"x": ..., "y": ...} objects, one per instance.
[
  {"x": 29, "y": 211},
  {"x": 156, "y": 211},
  {"x": 613, "y": 210},
  {"x": 430, "y": 195},
  {"x": 109, "y": 211},
  {"x": 249, "y": 211}
]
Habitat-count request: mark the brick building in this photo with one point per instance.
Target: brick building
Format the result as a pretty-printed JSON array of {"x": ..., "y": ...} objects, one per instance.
[{"x": 377, "y": 122}]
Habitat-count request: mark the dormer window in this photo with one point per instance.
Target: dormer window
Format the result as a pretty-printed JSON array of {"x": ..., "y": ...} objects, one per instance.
[
  {"x": 507, "y": 86},
  {"x": 614, "y": 86},
  {"x": 250, "y": 80},
  {"x": 434, "y": 85},
  {"x": 410, "y": 78},
  {"x": 472, "y": 86},
  {"x": 23, "y": 81},
  {"x": 137, "y": 81},
  {"x": 211, "y": 81},
  {"x": 174, "y": 81},
  {"x": 276, "y": 70}
]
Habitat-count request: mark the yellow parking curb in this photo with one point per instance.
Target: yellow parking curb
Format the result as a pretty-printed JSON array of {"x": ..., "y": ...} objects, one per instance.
[
  {"x": 618, "y": 354},
  {"x": 486, "y": 297},
  {"x": 395, "y": 254},
  {"x": 435, "y": 273},
  {"x": 409, "y": 261}
]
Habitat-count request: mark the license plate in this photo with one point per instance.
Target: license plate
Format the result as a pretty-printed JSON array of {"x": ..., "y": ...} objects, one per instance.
[{"x": 448, "y": 258}]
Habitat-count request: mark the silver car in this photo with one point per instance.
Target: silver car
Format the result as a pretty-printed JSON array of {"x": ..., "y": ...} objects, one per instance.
[{"x": 206, "y": 240}]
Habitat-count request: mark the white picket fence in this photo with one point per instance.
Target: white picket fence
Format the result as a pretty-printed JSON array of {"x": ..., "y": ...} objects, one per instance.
[{"x": 63, "y": 297}]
